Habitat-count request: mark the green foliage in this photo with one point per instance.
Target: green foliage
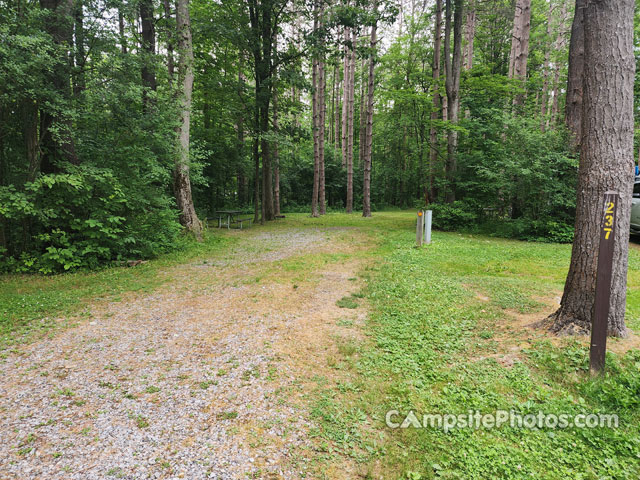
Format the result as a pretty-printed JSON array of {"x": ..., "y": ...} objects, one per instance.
[{"x": 81, "y": 219}]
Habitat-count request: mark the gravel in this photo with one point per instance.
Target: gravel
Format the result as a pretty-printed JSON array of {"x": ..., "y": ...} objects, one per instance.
[{"x": 181, "y": 383}]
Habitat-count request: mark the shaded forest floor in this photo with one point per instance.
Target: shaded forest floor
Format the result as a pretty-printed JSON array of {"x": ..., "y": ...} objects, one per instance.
[{"x": 276, "y": 352}]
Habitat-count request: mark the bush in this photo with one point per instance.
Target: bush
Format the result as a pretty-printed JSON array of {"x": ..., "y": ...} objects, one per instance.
[{"x": 80, "y": 219}]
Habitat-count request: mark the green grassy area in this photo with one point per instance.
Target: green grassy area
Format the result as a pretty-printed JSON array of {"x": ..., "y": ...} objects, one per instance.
[{"x": 435, "y": 347}]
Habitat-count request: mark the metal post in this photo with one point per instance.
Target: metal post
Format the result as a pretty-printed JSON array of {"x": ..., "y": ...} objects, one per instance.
[
  {"x": 419, "y": 228},
  {"x": 600, "y": 322},
  {"x": 427, "y": 226}
]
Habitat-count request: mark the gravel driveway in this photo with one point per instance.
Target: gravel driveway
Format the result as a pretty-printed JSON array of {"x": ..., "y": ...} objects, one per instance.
[{"x": 203, "y": 378}]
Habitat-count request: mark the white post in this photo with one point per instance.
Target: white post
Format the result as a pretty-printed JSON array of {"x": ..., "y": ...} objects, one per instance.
[{"x": 427, "y": 226}]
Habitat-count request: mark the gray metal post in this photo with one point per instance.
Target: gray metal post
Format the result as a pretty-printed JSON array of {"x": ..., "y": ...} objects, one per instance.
[{"x": 427, "y": 226}]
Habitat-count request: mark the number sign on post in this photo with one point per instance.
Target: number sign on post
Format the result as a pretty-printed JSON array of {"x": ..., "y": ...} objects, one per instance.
[{"x": 600, "y": 322}]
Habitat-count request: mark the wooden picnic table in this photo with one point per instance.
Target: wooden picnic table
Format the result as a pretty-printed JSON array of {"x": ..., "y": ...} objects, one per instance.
[{"x": 232, "y": 217}]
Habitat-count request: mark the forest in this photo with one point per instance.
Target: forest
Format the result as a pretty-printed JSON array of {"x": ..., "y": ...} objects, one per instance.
[{"x": 124, "y": 123}]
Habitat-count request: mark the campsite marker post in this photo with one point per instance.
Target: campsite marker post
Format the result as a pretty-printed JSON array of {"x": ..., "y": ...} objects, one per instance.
[
  {"x": 427, "y": 226},
  {"x": 419, "y": 229},
  {"x": 603, "y": 283}
]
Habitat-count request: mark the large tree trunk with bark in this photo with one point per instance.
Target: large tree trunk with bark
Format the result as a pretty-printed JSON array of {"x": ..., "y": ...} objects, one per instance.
[
  {"x": 148, "y": 44},
  {"x": 322, "y": 113},
  {"x": 470, "y": 33},
  {"x": 546, "y": 67},
  {"x": 433, "y": 131},
  {"x": 350, "y": 118},
  {"x": 366, "y": 184},
  {"x": 182, "y": 181},
  {"x": 452, "y": 84},
  {"x": 520, "y": 44},
  {"x": 606, "y": 163},
  {"x": 315, "y": 111},
  {"x": 573, "y": 108},
  {"x": 276, "y": 156}
]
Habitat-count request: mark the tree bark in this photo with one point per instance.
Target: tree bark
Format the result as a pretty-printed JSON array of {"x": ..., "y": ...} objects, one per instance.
[
  {"x": 123, "y": 38},
  {"x": 315, "y": 121},
  {"x": 573, "y": 108},
  {"x": 148, "y": 44},
  {"x": 345, "y": 94},
  {"x": 276, "y": 156},
  {"x": 606, "y": 163},
  {"x": 182, "y": 181},
  {"x": 79, "y": 80},
  {"x": 436, "y": 101},
  {"x": 322, "y": 110},
  {"x": 470, "y": 33},
  {"x": 350, "y": 118},
  {"x": 452, "y": 84},
  {"x": 520, "y": 44},
  {"x": 170, "y": 65},
  {"x": 366, "y": 184},
  {"x": 546, "y": 67}
]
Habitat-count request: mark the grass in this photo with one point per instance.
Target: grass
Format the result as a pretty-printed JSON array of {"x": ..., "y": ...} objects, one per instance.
[
  {"x": 441, "y": 323},
  {"x": 441, "y": 319}
]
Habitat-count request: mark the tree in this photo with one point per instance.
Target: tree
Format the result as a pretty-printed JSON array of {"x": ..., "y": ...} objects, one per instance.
[
  {"x": 606, "y": 163},
  {"x": 452, "y": 84},
  {"x": 436, "y": 101},
  {"x": 366, "y": 193},
  {"x": 148, "y": 43},
  {"x": 182, "y": 180},
  {"x": 573, "y": 109},
  {"x": 520, "y": 43}
]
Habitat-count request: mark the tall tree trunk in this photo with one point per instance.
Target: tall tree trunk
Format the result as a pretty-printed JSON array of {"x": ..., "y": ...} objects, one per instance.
[
  {"x": 546, "y": 66},
  {"x": 433, "y": 132},
  {"x": 337, "y": 117},
  {"x": 78, "y": 80},
  {"x": 148, "y": 44},
  {"x": 452, "y": 84},
  {"x": 240, "y": 149},
  {"x": 322, "y": 111},
  {"x": 350, "y": 118},
  {"x": 315, "y": 110},
  {"x": 573, "y": 109},
  {"x": 606, "y": 163},
  {"x": 345, "y": 94},
  {"x": 123, "y": 37},
  {"x": 182, "y": 181},
  {"x": 276, "y": 156},
  {"x": 363, "y": 116},
  {"x": 520, "y": 44},
  {"x": 470, "y": 33},
  {"x": 59, "y": 146},
  {"x": 30, "y": 133},
  {"x": 366, "y": 185},
  {"x": 167, "y": 15},
  {"x": 256, "y": 180}
]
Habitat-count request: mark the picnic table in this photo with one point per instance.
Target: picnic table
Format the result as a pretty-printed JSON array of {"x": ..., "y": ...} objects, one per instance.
[{"x": 232, "y": 217}]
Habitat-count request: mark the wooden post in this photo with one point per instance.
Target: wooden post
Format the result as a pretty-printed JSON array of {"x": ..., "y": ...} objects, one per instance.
[
  {"x": 419, "y": 228},
  {"x": 603, "y": 284}
]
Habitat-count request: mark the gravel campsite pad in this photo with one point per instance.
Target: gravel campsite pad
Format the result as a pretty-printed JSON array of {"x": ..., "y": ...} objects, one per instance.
[{"x": 202, "y": 378}]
